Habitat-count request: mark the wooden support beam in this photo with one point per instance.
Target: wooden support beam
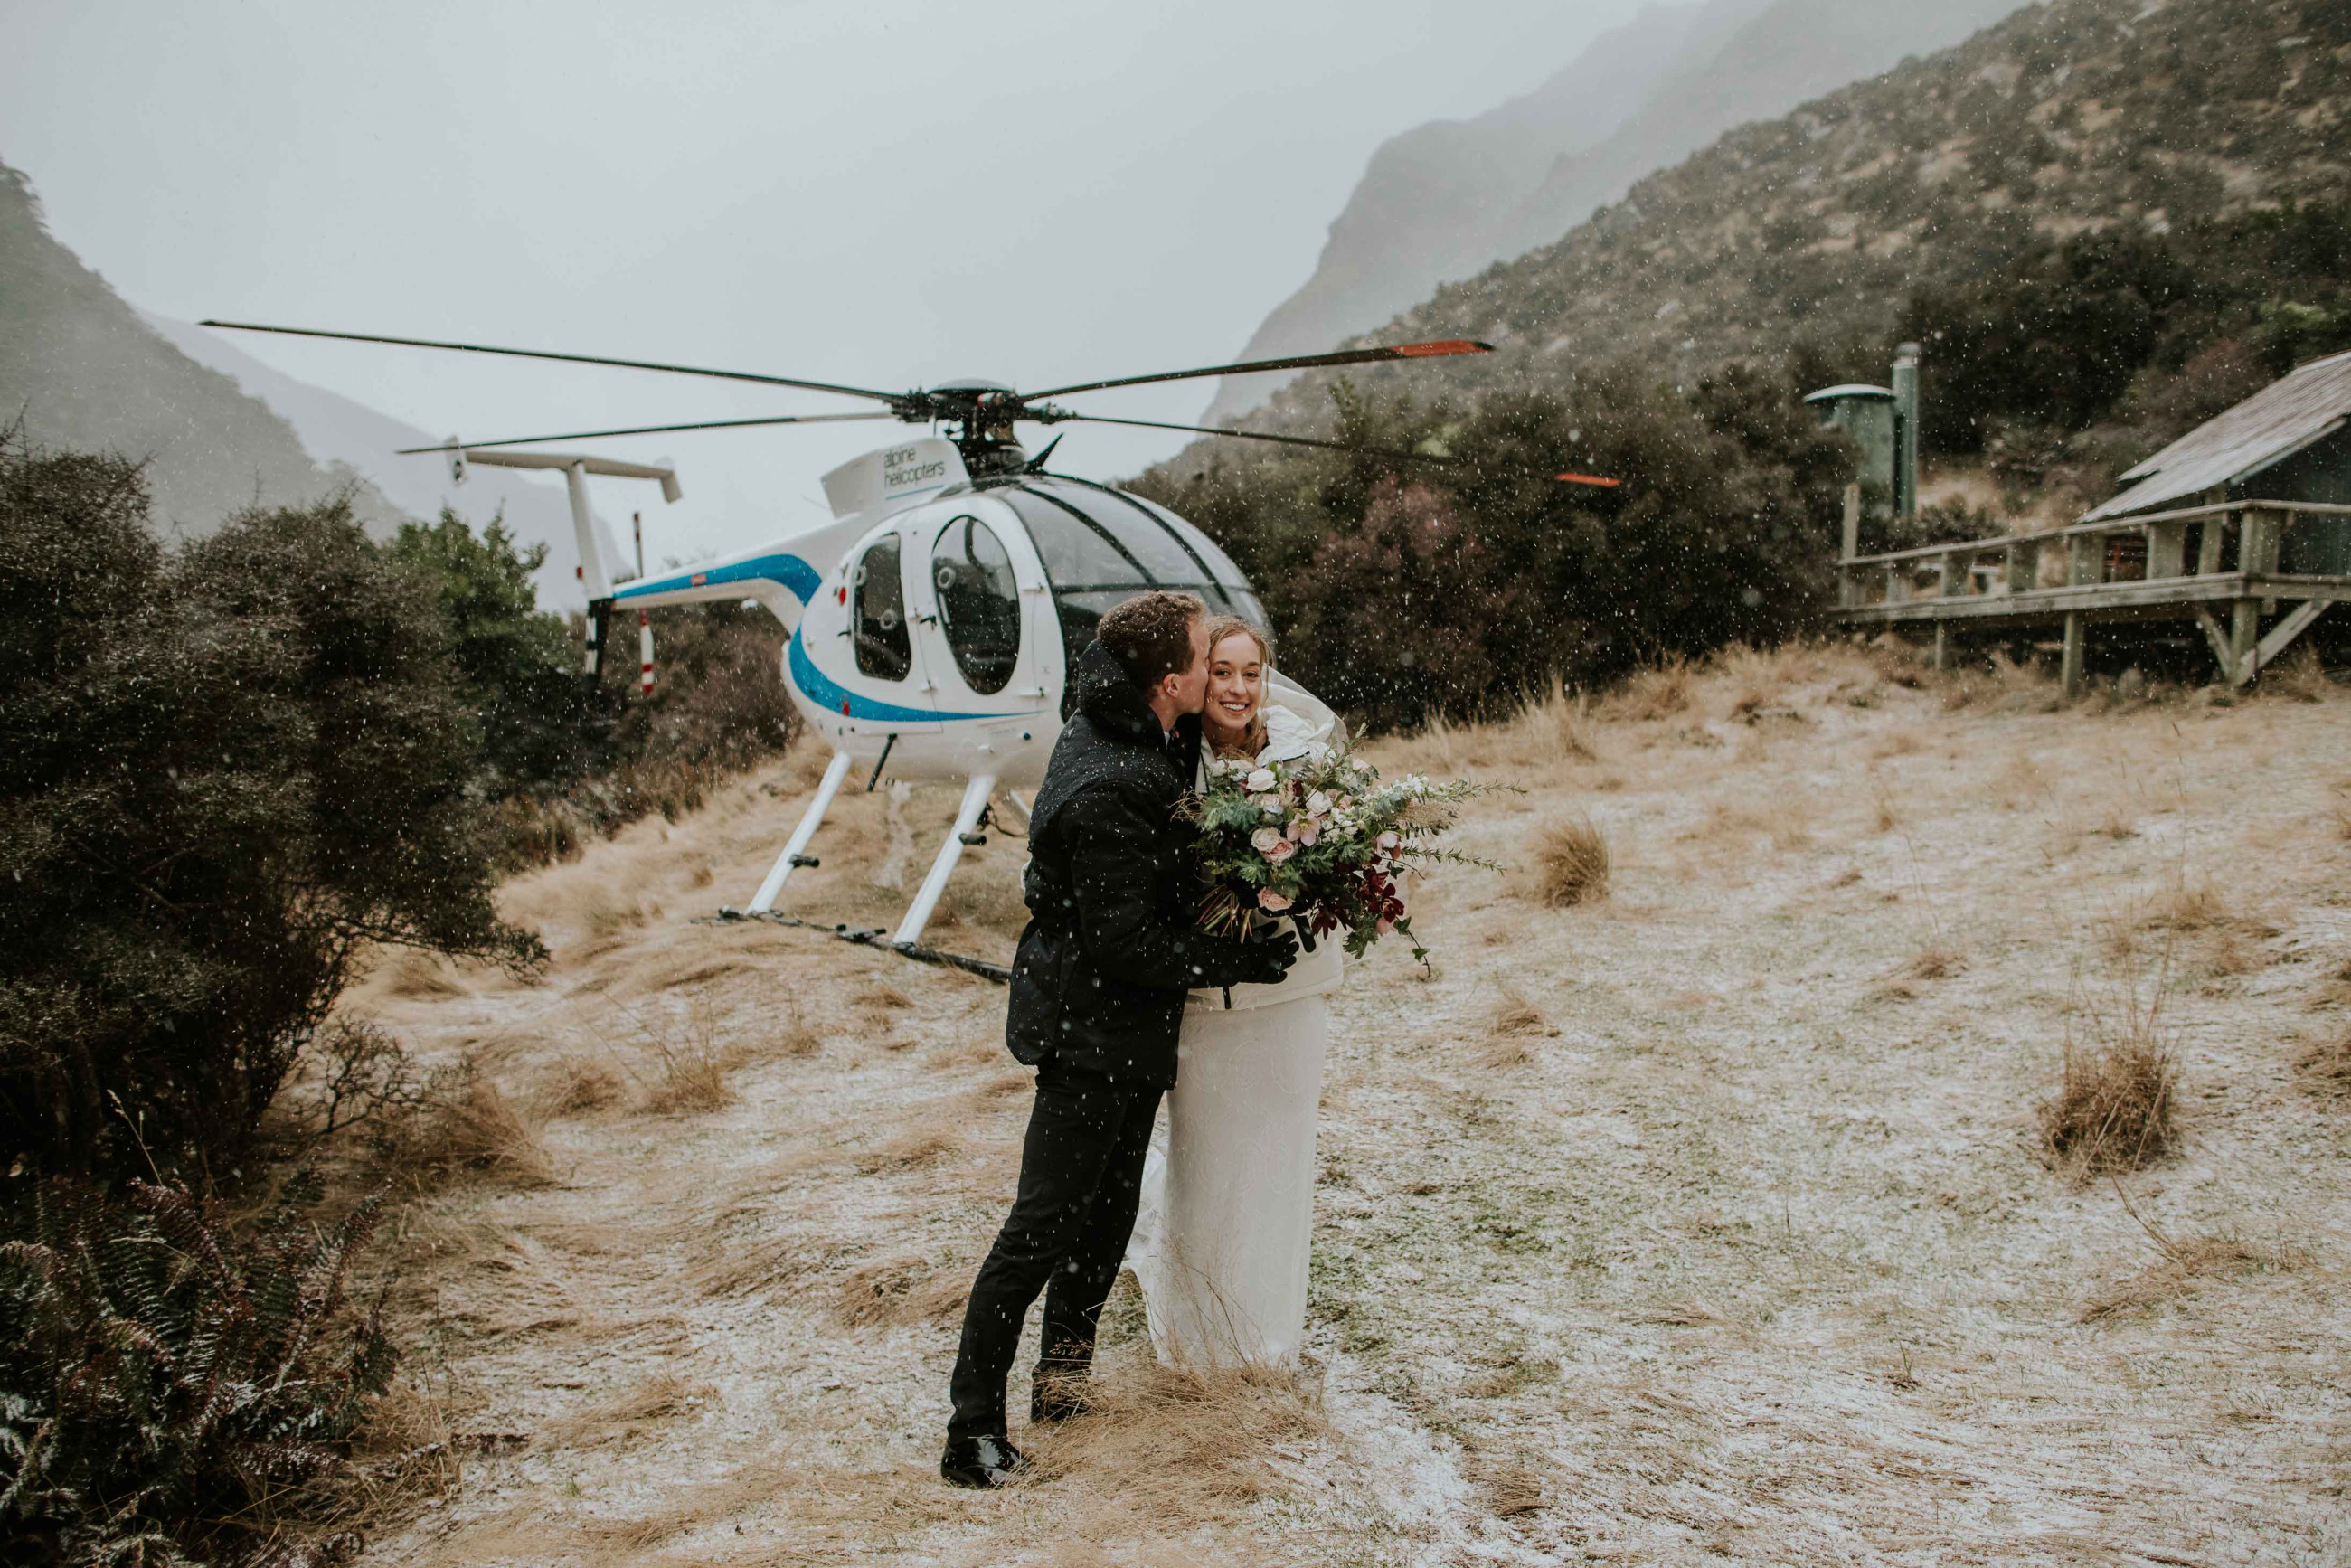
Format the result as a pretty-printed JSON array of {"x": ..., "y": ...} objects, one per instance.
[
  {"x": 2244, "y": 624},
  {"x": 1943, "y": 645},
  {"x": 2070, "y": 675},
  {"x": 2220, "y": 643},
  {"x": 2167, "y": 549},
  {"x": 2281, "y": 636},
  {"x": 1851, "y": 522},
  {"x": 2208, "y": 548}
]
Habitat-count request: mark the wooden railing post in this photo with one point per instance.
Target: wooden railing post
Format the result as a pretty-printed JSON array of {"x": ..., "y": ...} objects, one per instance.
[{"x": 2167, "y": 549}]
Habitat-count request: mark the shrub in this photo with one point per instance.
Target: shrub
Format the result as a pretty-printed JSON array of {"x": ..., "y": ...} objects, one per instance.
[
  {"x": 1407, "y": 592},
  {"x": 167, "y": 1387},
  {"x": 226, "y": 774}
]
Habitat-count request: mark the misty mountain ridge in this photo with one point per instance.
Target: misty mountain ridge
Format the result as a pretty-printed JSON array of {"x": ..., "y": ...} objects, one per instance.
[
  {"x": 1823, "y": 227},
  {"x": 81, "y": 371},
  {"x": 1444, "y": 200},
  {"x": 218, "y": 430},
  {"x": 349, "y": 437}
]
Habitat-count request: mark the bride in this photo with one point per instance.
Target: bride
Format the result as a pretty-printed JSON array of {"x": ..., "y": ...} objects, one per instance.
[{"x": 1222, "y": 1236}]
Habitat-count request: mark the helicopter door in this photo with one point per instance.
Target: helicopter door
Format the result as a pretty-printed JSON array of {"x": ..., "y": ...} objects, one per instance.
[
  {"x": 887, "y": 684},
  {"x": 976, "y": 592}
]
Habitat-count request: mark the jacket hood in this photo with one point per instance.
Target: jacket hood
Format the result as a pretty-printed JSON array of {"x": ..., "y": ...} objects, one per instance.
[{"x": 1108, "y": 696}]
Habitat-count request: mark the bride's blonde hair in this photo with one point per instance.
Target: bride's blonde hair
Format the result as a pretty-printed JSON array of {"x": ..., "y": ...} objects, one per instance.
[{"x": 1252, "y": 739}]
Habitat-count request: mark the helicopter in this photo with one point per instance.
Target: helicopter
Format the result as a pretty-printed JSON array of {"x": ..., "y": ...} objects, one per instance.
[{"x": 932, "y": 623}]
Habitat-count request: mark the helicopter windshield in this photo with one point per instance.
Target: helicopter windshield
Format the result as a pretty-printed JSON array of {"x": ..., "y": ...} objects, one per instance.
[{"x": 1101, "y": 546}]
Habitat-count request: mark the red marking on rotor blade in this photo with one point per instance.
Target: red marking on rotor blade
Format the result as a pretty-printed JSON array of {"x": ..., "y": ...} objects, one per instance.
[
  {"x": 844, "y": 707},
  {"x": 1445, "y": 346},
  {"x": 1589, "y": 479}
]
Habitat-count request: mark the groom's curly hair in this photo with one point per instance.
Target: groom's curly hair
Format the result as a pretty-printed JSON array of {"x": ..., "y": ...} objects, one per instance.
[{"x": 1151, "y": 634}]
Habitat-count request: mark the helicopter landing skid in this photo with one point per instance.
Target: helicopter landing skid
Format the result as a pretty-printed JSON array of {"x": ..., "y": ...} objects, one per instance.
[{"x": 878, "y": 936}]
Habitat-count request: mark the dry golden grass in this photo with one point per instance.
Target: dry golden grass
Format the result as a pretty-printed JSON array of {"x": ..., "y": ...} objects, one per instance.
[
  {"x": 584, "y": 1087},
  {"x": 1932, "y": 962},
  {"x": 1515, "y": 1022},
  {"x": 422, "y": 974},
  {"x": 693, "y": 1082},
  {"x": 2188, "y": 906},
  {"x": 895, "y": 1292},
  {"x": 1511, "y": 1488},
  {"x": 1571, "y": 864},
  {"x": 607, "y": 920},
  {"x": 662, "y": 1398},
  {"x": 2113, "y": 1106},
  {"x": 1652, "y": 693},
  {"x": 2298, "y": 677},
  {"x": 409, "y": 1449},
  {"x": 924, "y": 1144},
  {"x": 2326, "y": 1067},
  {"x": 468, "y": 1126},
  {"x": 1179, "y": 1448},
  {"x": 2183, "y": 1266},
  {"x": 795, "y": 1036}
]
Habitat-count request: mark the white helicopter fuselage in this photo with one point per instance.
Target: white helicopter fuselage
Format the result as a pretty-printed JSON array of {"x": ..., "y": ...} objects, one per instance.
[{"x": 933, "y": 625}]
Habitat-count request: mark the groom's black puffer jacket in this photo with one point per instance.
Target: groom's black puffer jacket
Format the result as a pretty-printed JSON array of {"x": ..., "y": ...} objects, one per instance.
[{"x": 1111, "y": 946}]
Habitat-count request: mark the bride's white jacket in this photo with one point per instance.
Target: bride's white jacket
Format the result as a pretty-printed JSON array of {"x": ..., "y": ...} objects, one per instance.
[{"x": 1295, "y": 725}]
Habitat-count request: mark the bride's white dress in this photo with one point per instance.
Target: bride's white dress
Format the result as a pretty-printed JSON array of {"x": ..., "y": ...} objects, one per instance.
[{"x": 1223, "y": 1235}]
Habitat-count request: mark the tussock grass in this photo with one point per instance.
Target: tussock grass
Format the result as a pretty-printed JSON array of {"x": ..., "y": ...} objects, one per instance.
[
  {"x": 422, "y": 974},
  {"x": 896, "y": 1292},
  {"x": 584, "y": 1087},
  {"x": 1515, "y": 1022},
  {"x": 1180, "y": 1448},
  {"x": 2298, "y": 677},
  {"x": 1571, "y": 864},
  {"x": 1511, "y": 1488},
  {"x": 2325, "y": 1068},
  {"x": 2113, "y": 1106},
  {"x": 606, "y": 920},
  {"x": 1933, "y": 962},
  {"x": 2184, "y": 1263},
  {"x": 1652, "y": 693},
  {"x": 467, "y": 1126},
  {"x": 796, "y": 1037}
]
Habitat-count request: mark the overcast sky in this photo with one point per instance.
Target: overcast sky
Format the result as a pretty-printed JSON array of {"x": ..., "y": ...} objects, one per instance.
[{"x": 883, "y": 194}]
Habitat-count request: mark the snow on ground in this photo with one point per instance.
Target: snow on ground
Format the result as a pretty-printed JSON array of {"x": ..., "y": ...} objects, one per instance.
[{"x": 1746, "y": 1253}]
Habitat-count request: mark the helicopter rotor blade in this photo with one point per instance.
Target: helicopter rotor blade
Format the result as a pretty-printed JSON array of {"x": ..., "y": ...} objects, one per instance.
[
  {"x": 644, "y": 430},
  {"x": 1594, "y": 479},
  {"x": 891, "y": 398},
  {"x": 1432, "y": 350}
]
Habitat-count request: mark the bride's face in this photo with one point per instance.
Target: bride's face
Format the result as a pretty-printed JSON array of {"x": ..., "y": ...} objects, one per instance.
[{"x": 1236, "y": 682}]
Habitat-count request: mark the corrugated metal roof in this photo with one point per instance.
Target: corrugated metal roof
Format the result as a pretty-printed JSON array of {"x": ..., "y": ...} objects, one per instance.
[{"x": 2274, "y": 423}]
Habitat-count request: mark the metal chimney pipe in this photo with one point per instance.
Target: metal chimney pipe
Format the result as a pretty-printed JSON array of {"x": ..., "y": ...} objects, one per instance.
[{"x": 1905, "y": 430}]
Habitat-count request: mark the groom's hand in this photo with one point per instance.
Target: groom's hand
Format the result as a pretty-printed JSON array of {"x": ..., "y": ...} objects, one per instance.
[{"x": 1271, "y": 960}]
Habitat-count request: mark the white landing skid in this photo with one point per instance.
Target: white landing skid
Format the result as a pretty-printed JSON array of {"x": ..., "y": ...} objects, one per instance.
[{"x": 907, "y": 939}]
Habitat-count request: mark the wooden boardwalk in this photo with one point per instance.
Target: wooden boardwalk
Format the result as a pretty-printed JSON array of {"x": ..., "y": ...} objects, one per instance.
[{"x": 2216, "y": 566}]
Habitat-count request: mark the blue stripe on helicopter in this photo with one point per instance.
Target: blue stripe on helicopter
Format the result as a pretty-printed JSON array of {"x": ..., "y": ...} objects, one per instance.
[
  {"x": 789, "y": 570},
  {"x": 822, "y": 689}
]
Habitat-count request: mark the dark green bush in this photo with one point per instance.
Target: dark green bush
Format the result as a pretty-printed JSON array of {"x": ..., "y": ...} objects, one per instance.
[
  {"x": 224, "y": 774},
  {"x": 1408, "y": 590},
  {"x": 167, "y": 1387}
]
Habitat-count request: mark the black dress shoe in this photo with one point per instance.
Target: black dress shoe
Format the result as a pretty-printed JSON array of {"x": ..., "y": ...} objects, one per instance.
[
  {"x": 984, "y": 1462},
  {"x": 1052, "y": 1400}
]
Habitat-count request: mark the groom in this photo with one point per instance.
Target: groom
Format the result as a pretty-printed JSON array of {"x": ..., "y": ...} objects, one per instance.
[{"x": 1097, "y": 995}]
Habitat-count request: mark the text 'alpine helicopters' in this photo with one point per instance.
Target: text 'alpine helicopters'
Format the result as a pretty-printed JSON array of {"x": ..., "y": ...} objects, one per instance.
[{"x": 932, "y": 623}]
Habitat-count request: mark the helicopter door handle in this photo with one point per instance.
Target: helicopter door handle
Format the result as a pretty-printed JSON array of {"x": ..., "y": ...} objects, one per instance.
[{"x": 928, "y": 619}]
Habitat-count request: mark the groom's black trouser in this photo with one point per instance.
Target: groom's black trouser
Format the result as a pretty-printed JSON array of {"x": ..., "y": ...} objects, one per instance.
[{"x": 1081, "y": 1177}]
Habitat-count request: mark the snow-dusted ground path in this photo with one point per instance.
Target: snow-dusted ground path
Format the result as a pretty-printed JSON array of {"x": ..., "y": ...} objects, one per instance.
[{"x": 1748, "y": 1258}]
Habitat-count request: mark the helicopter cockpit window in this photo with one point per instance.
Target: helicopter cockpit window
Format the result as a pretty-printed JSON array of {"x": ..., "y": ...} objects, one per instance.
[
  {"x": 877, "y": 621},
  {"x": 979, "y": 604}
]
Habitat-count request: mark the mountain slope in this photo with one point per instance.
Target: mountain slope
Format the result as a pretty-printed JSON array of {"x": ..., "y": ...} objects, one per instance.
[
  {"x": 345, "y": 434},
  {"x": 1444, "y": 200},
  {"x": 1431, "y": 200},
  {"x": 83, "y": 370},
  {"x": 2084, "y": 115}
]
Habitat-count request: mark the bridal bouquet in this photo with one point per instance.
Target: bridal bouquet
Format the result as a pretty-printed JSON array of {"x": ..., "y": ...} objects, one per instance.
[{"x": 1321, "y": 837}]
